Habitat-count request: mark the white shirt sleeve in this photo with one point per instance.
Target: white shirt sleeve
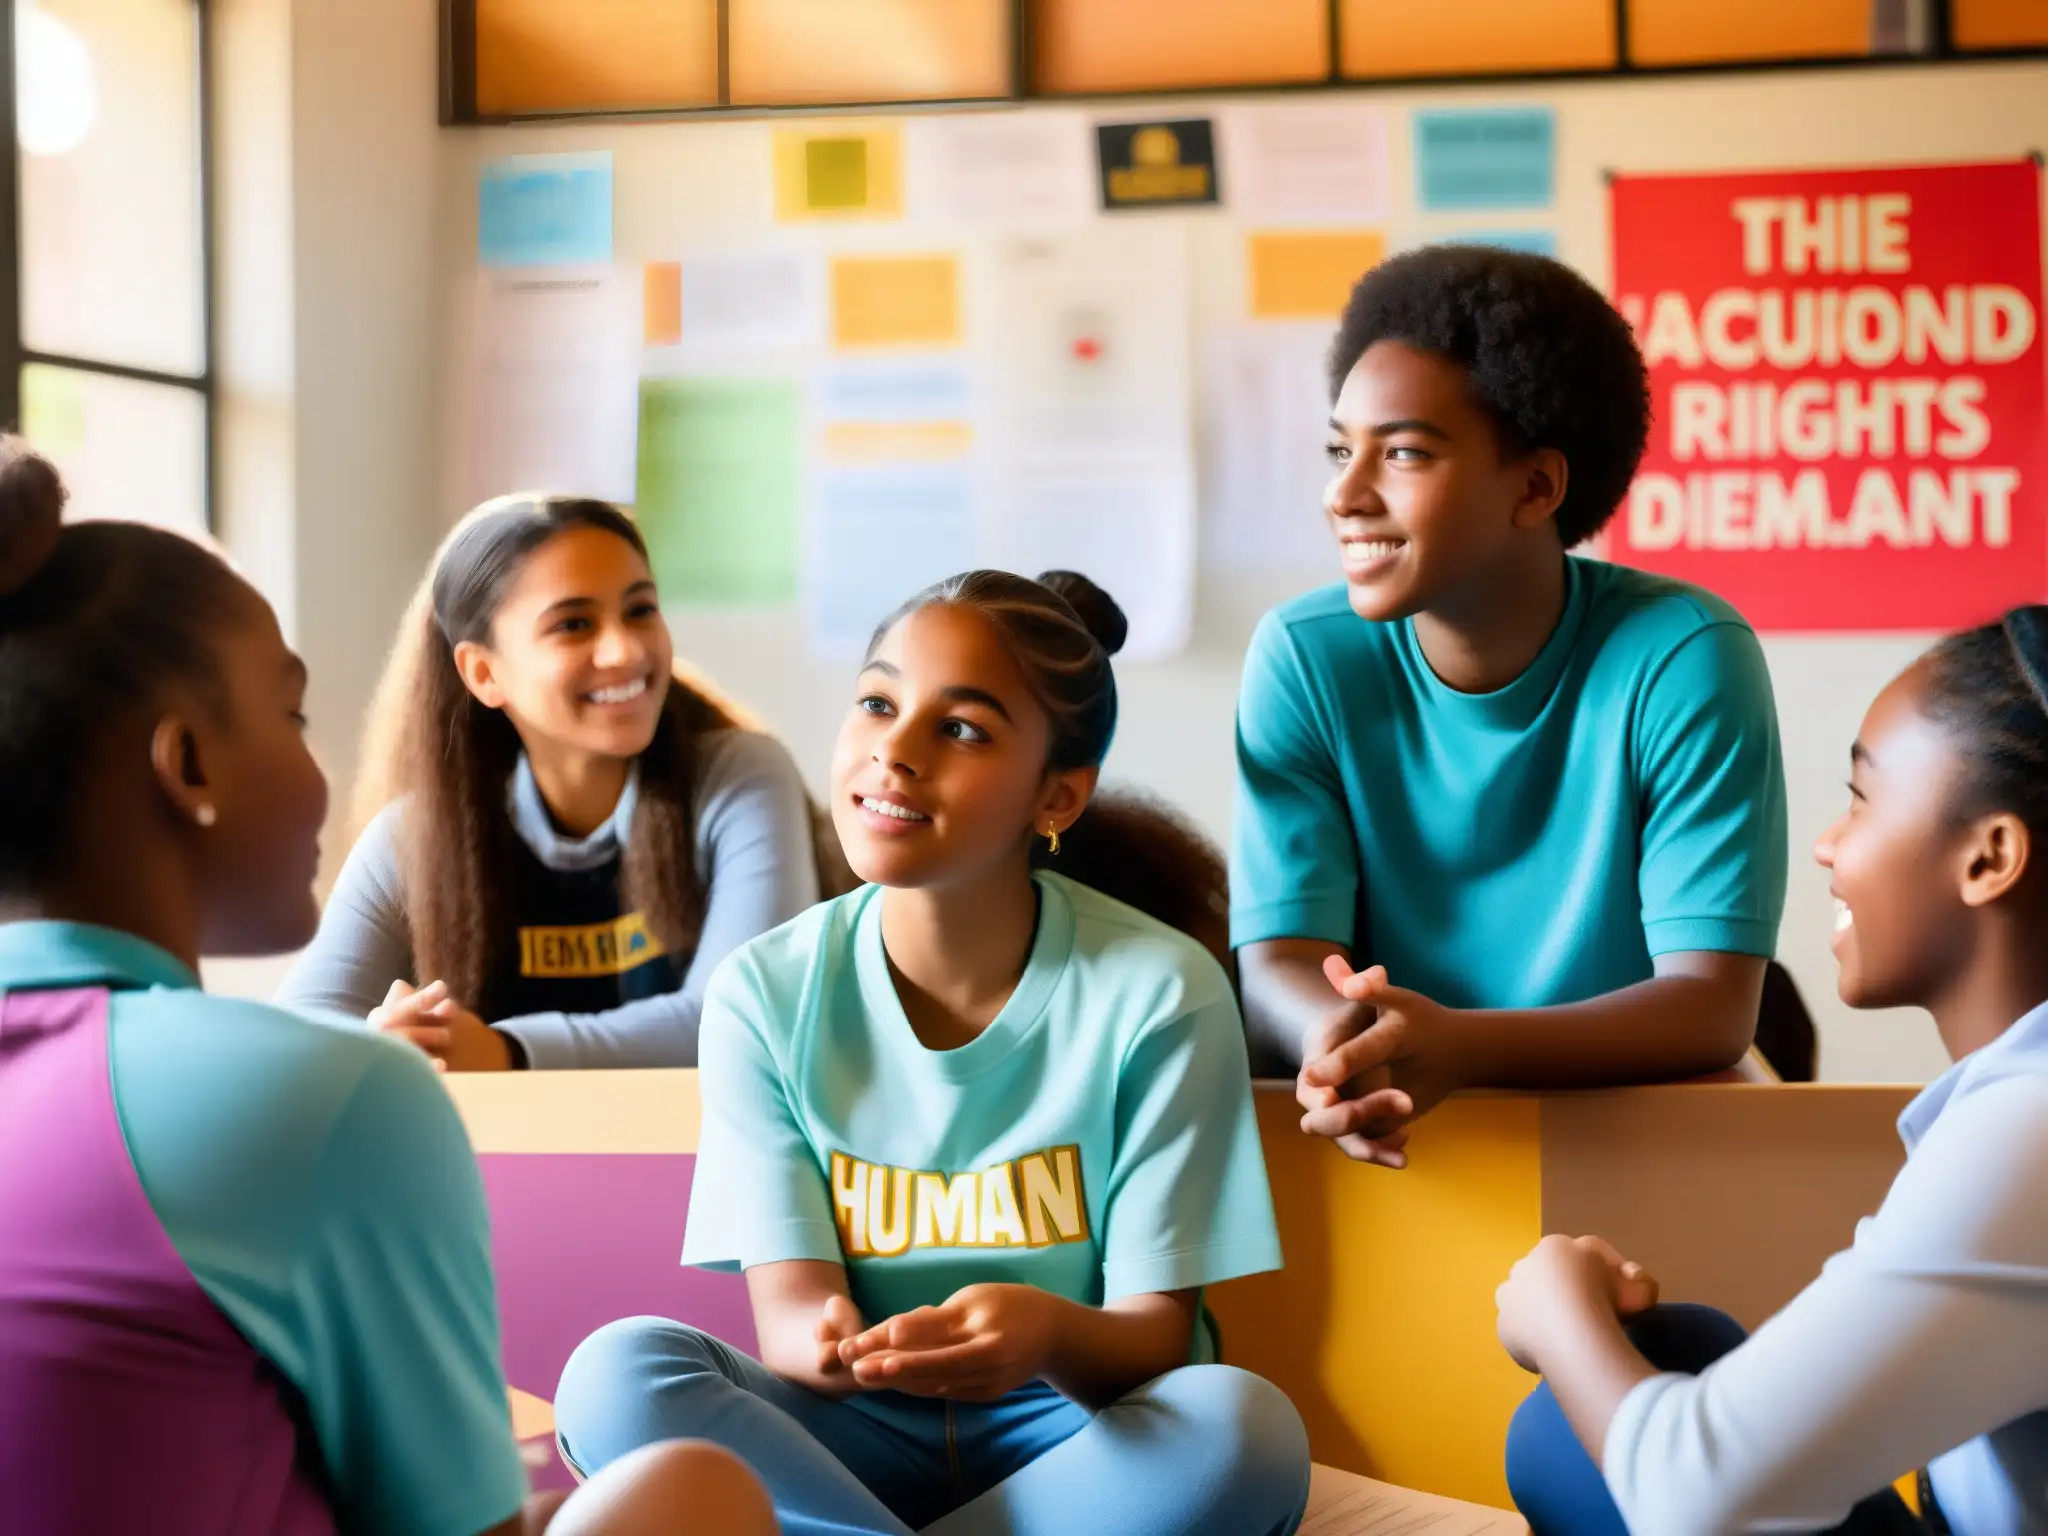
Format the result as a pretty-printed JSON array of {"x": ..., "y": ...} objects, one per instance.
[{"x": 1932, "y": 1329}]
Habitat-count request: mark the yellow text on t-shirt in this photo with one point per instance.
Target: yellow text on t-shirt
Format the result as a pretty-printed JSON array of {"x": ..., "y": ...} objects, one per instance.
[{"x": 1032, "y": 1201}]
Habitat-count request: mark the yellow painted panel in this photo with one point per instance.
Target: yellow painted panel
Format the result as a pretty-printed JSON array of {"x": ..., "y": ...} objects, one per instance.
[
  {"x": 1389, "y": 38},
  {"x": 1094, "y": 46},
  {"x": 895, "y": 301},
  {"x": 1999, "y": 23},
  {"x": 578, "y": 1111},
  {"x": 1381, "y": 1326},
  {"x": 1308, "y": 275},
  {"x": 838, "y": 173},
  {"x": 788, "y": 52},
  {"x": 543, "y": 56},
  {"x": 1687, "y": 32}
]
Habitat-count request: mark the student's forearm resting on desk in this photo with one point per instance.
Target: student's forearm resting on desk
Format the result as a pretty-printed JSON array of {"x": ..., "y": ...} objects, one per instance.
[
  {"x": 982, "y": 1342},
  {"x": 1696, "y": 1015}
]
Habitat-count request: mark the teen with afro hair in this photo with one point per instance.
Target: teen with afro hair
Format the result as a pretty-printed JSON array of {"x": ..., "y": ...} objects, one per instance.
[{"x": 1507, "y": 817}]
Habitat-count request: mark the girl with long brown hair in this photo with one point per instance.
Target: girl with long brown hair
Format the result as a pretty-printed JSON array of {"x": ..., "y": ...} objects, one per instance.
[{"x": 562, "y": 835}]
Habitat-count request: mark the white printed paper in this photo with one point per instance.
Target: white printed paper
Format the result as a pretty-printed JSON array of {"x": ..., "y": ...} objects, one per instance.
[
  {"x": 1306, "y": 164},
  {"x": 892, "y": 492},
  {"x": 1265, "y": 421},
  {"x": 1119, "y": 523},
  {"x": 769, "y": 302},
  {"x": 878, "y": 533},
  {"x": 1006, "y": 168},
  {"x": 1090, "y": 383},
  {"x": 555, "y": 396},
  {"x": 1344, "y": 1504}
]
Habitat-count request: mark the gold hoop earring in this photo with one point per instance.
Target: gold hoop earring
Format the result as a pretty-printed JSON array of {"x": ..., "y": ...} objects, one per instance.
[{"x": 1052, "y": 840}]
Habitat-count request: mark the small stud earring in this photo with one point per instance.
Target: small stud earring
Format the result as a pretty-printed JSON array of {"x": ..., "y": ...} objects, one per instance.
[
  {"x": 1052, "y": 838},
  {"x": 204, "y": 814}
]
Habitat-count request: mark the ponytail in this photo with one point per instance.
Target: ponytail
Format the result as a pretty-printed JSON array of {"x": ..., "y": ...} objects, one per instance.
[{"x": 1147, "y": 855}]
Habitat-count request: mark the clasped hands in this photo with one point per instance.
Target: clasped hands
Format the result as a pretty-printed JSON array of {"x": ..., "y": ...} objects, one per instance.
[
  {"x": 1561, "y": 1282},
  {"x": 454, "y": 1039},
  {"x": 1382, "y": 1057},
  {"x": 980, "y": 1344}
]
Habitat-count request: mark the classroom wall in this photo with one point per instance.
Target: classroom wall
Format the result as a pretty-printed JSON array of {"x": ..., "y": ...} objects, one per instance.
[
  {"x": 328, "y": 169},
  {"x": 685, "y": 186}
]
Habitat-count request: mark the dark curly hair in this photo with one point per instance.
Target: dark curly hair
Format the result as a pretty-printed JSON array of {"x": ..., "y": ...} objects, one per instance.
[
  {"x": 1988, "y": 688},
  {"x": 1552, "y": 361},
  {"x": 1063, "y": 629}
]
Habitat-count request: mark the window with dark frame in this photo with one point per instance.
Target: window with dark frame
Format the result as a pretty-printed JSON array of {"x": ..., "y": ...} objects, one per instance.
[
  {"x": 1614, "y": 39},
  {"x": 107, "y": 350}
]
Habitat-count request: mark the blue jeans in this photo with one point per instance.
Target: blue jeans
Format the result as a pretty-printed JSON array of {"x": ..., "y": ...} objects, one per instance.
[
  {"x": 1559, "y": 1490},
  {"x": 1201, "y": 1450}
]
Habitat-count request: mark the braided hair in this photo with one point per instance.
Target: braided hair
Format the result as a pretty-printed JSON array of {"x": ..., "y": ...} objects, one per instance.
[{"x": 1063, "y": 629}]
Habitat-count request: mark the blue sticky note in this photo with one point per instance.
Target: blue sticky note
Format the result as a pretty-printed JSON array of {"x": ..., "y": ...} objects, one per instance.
[
  {"x": 545, "y": 210},
  {"x": 1500, "y": 157},
  {"x": 1538, "y": 242}
]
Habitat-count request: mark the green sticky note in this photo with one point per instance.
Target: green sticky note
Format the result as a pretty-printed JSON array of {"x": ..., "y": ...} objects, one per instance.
[
  {"x": 836, "y": 173},
  {"x": 720, "y": 488}
]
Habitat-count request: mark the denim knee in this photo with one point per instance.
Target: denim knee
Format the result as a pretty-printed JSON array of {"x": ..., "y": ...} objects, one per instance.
[
  {"x": 1245, "y": 1426},
  {"x": 613, "y": 1370}
]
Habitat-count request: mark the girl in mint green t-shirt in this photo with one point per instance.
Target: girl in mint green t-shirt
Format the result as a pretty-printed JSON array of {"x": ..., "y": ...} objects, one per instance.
[{"x": 978, "y": 1134}]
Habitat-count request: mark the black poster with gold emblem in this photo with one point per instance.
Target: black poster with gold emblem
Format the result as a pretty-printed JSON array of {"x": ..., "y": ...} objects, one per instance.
[{"x": 1157, "y": 165}]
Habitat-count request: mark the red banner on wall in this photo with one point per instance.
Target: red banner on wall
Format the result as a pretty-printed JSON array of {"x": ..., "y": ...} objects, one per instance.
[{"x": 1846, "y": 369}]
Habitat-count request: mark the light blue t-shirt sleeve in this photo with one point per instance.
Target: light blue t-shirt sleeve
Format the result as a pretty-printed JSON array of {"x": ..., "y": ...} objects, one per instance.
[
  {"x": 756, "y": 1195},
  {"x": 1712, "y": 781},
  {"x": 320, "y": 1187},
  {"x": 1294, "y": 871},
  {"x": 1188, "y": 1203}
]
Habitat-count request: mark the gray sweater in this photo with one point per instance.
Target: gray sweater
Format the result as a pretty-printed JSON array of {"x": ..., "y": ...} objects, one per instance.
[{"x": 754, "y": 854}]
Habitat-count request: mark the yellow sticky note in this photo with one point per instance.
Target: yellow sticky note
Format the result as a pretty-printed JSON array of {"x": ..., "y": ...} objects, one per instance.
[
  {"x": 662, "y": 303},
  {"x": 895, "y": 301},
  {"x": 1308, "y": 275},
  {"x": 844, "y": 173},
  {"x": 892, "y": 442}
]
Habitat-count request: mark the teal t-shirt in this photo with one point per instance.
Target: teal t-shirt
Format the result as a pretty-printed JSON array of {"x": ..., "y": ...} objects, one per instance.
[
  {"x": 319, "y": 1186},
  {"x": 1096, "y": 1140},
  {"x": 1622, "y": 799}
]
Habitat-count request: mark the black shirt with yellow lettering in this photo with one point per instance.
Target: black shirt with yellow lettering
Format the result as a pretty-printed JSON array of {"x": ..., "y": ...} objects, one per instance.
[{"x": 575, "y": 948}]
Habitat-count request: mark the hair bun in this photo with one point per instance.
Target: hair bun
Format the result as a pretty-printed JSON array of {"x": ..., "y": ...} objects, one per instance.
[
  {"x": 31, "y": 513},
  {"x": 1098, "y": 610}
]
